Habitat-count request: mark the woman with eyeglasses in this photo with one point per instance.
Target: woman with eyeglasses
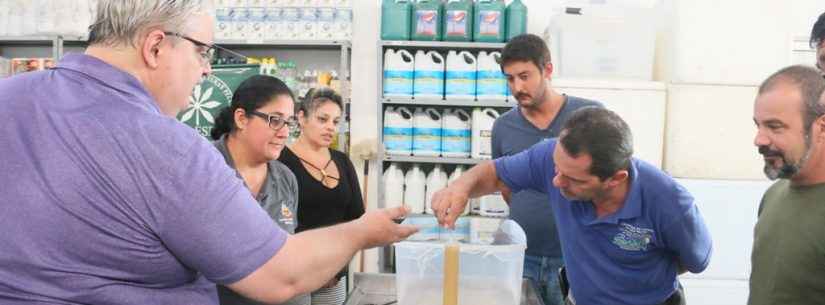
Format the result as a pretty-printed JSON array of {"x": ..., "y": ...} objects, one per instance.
[
  {"x": 250, "y": 134},
  {"x": 327, "y": 180}
]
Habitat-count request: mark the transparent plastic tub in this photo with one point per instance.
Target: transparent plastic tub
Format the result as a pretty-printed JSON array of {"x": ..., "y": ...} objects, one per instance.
[{"x": 488, "y": 273}]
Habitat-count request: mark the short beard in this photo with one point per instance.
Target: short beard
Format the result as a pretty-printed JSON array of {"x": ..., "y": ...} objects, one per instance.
[{"x": 788, "y": 170}]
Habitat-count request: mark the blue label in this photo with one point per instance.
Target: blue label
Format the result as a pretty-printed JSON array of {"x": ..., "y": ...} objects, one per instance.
[
  {"x": 401, "y": 131},
  {"x": 427, "y": 139},
  {"x": 461, "y": 133},
  {"x": 456, "y": 140},
  {"x": 398, "y": 138},
  {"x": 460, "y": 83},
  {"x": 461, "y": 75},
  {"x": 429, "y": 74},
  {"x": 491, "y": 82},
  {"x": 434, "y": 132},
  {"x": 398, "y": 82},
  {"x": 429, "y": 82},
  {"x": 483, "y": 74}
]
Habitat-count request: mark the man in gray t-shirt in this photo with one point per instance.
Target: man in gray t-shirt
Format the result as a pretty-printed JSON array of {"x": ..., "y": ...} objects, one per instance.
[{"x": 540, "y": 114}]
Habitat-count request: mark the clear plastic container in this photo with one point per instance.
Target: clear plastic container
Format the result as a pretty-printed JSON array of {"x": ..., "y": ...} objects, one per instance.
[{"x": 487, "y": 273}]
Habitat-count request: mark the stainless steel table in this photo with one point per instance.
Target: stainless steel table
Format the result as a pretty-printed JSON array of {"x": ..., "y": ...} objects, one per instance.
[{"x": 379, "y": 289}]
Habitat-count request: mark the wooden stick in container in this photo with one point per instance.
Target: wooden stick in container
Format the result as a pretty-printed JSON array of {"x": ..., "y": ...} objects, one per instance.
[{"x": 451, "y": 251}]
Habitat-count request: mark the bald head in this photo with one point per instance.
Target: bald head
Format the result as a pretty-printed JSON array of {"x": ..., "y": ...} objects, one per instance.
[{"x": 808, "y": 81}]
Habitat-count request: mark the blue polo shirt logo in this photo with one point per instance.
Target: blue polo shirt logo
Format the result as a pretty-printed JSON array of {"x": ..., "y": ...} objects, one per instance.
[{"x": 632, "y": 238}]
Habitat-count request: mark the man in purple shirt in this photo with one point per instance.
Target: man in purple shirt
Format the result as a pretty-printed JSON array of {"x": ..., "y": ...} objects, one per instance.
[{"x": 107, "y": 199}]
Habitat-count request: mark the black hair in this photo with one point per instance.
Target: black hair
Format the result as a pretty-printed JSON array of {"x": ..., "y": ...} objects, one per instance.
[
  {"x": 602, "y": 134},
  {"x": 811, "y": 85},
  {"x": 526, "y": 47},
  {"x": 317, "y": 96},
  {"x": 252, "y": 94},
  {"x": 818, "y": 32}
]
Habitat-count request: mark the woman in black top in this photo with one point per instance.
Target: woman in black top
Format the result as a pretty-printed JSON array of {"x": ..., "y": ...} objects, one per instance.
[{"x": 328, "y": 187}]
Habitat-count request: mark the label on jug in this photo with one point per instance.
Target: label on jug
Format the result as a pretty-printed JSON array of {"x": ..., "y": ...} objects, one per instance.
[
  {"x": 455, "y": 140},
  {"x": 426, "y": 139},
  {"x": 456, "y": 23},
  {"x": 426, "y": 23},
  {"x": 398, "y": 138},
  {"x": 491, "y": 83},
  {"x": 489, "y": 23},
  {"x": 486, "y": 137},
  {"x": 461, "y": 83},
  {"x": 398, "y": 82},
  {"x": 429, "y": 82}
]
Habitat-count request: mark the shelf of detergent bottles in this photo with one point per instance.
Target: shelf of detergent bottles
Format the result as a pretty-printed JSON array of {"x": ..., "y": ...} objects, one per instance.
[
  {"x": 330, "y": 44},
  {"x": 464, "y": 45},
  {"x": 447, "y": 102},
  {"x": 434, "y": 160}
]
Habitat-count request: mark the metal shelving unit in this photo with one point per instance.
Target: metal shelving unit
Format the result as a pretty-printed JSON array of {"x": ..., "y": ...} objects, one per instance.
[
  {"x": 447, "y": 102},
  {"x": 433, "y": 160},
  {"x": 385, "y": 258},
  {"x": 440, "y": 45},
  {"x": 26, "y": 46}
]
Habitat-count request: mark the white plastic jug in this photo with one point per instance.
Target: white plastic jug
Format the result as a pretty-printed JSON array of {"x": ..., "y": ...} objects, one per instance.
[
  {"x": 456, "y": 133},
  {"x": 460, "y": 76},
  {"x": 426, "y": 132},
  {"x": 483, "y": 132},
  {"x": 393, "y": 186},
  {"x": 457, "y": 172},
  {"x": 429, "y": 75},
  {"x": 491, "y": 82},
  {"x": 436, "y": 180},
  {"x": 398, "y": 131},
  {"x": 415, "y": 189},
  {"x": 398, "y": 73}
]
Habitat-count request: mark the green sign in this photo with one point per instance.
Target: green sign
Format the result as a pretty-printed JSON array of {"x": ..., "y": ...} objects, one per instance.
[{"x": 213, "y": 94}]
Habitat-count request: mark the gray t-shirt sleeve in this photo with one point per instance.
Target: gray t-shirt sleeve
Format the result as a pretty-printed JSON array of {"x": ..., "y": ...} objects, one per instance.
[{"x": 213, "y": 224}]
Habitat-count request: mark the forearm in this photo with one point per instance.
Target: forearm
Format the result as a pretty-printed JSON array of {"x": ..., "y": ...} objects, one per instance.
[
  {"x": 307, "y": 261},
  {"x": 480, "y": 180}
]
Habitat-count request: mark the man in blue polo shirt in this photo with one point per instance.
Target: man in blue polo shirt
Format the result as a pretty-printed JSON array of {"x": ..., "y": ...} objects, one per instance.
[{"x": 627, "y": 229}]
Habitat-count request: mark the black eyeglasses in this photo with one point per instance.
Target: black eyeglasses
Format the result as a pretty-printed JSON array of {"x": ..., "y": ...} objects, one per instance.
[
  {"x": 276, "y": 122},
  {"x": 209, "y": 53}
]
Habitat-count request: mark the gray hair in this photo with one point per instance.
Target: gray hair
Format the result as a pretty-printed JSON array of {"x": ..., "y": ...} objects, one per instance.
[
  {"x": 121, "y": 22},
  {"x": 811, "y": 85}
]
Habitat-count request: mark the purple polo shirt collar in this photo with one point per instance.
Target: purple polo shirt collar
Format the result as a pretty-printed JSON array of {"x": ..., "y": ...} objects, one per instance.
[{"x": 109, "y": 76}]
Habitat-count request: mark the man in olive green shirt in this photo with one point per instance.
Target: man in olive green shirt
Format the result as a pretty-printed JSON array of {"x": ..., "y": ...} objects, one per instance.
[{"x": 788, "y": 260}]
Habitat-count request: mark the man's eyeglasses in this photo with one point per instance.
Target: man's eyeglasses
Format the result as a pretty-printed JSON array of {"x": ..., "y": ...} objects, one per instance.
[
  {"x": 208, "y": 54},
  {"x": 276, "y": 122}
]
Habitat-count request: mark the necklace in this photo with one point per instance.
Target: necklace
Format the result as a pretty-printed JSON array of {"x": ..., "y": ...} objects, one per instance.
[{"x": 323, "y": 172}]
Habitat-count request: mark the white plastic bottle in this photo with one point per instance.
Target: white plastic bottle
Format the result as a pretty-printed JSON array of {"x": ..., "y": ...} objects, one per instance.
[
  {"x": 436, "y": 180},
  {"x": 393, "y": 180},
  {"x": 308, "y": 23},
  {"x": 491, "y": 82},
  {"x": 426, "y": 132},
  {"x": 429, "y": 75},
  {"x": 460, "y": 76},
  {"x": 398, "y": 131},
  {"x": 483, "y": 120},
  {"x": 456, "y": 133},
  {"x": 415, "y": 189},
  {"x": 457, "y": 172},
  {"x": 398, "y": 73}
]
